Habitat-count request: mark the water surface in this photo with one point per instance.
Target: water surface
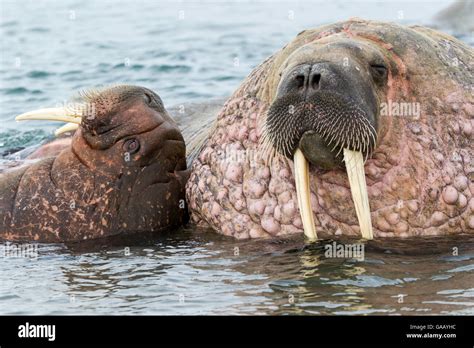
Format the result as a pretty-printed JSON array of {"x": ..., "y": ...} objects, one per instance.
[
  {"x": 199, "y": 272},
  {"x": 191, "y": 52}
]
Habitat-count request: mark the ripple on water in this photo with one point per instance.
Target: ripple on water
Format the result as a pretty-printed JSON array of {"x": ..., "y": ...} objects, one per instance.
[
  {"x": 19, "y": 90},
  {"x": 325, "y": 304},
  {"x": 367, "y": 281},
  {"x": 457, "y": 292},
  {"x": 441, "y": 277},
  {"x": 463, "y": 257},
  {"x": 169, "y": 68},
  {"x": 39, "y": 74},
  {"x": 39, "y": 30},
  {"x": 466, "y": 268},
  {"x": 365, "y": 312},
  {"x": 134, "y": 67},
  {"x": 12, "y": 138},
  {"x": 71, "y": 72},
  {"x": 8, "y": 24}
]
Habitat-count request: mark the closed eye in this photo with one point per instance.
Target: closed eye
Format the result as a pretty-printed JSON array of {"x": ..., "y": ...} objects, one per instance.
[
  {"x": 379, "y": 70},
  {"x": 148, "y": 98},
  {"x": 154, "y": 101}
]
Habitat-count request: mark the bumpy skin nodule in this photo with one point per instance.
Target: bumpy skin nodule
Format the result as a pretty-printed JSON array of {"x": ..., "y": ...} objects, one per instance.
[
  {"x": 419, "y": 177},
  {"x": 124, "y": 173}
]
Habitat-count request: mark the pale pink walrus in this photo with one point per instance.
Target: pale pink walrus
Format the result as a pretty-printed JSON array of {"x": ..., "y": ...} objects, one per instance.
[{"x": 399, "y": 98}]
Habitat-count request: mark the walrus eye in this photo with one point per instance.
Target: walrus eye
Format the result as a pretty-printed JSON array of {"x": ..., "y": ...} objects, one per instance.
[
  {"x": 379, "y": 71},
  {"x": 131, "y": 146},
  {"x": 148, "y": 99}
]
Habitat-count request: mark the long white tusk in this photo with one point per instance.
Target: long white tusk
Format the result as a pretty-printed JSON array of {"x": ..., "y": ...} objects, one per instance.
[
  {"x": 303, "y": 194},
  {"x": 355, "y": 171},
  {"x": 68, "y": 127},
  {"x": 52, "y": 114}
]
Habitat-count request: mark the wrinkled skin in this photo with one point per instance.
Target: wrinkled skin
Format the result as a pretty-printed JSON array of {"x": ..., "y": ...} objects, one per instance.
[
  {"x": 123, "y": 173},
  {"x": 419, "y": 174}
]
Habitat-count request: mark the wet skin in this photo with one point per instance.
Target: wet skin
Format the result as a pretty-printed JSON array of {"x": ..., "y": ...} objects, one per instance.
[
  {"x": 123, "y": 173},
  {"x": 324, "y": 93}
]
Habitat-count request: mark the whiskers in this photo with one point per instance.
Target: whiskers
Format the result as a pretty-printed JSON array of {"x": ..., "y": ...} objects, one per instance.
[
  {"x": 340, "y": 123},
  {"x": 90, "y": 95},
  {"x": 267, "y": 150}
]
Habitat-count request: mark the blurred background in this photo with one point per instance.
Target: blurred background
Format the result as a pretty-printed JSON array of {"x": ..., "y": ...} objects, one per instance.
[{"x": 186, "y": 51}]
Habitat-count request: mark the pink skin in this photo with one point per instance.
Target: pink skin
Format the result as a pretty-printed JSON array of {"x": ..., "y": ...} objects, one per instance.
[{"x": 419, "y": 177}]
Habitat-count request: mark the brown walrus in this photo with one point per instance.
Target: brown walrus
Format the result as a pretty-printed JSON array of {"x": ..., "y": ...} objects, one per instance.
[
  {"x": 400, "y": 97},
  {"x": 123, "y": 173}
]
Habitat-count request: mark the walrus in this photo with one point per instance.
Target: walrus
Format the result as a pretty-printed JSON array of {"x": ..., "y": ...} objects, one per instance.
[
  {"x": 353, "y": 128},
  {"x": 122, "y": 173},
  {"x": 457, "y": 17}
]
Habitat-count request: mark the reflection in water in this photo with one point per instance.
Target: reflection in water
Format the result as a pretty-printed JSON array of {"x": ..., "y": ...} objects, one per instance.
[{"x": 199, "y": 272}]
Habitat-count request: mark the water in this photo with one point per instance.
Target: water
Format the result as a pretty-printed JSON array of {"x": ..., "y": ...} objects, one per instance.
[
  {"x": 200, "y": 272},
  {"x": 190, "y": 52}
]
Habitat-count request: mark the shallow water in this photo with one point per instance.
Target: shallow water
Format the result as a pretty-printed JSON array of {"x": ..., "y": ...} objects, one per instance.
[
  {"x": 190, "y": 52},
  {"x": 199, "y": 272}
]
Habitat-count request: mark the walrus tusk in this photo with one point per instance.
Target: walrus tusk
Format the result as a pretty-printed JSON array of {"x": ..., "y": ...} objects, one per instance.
[
  {"x": 68, "y": 127},
  {"x": 303, "y": 194},
  {"x": 52, "y": 114},
  {"x": 355, "y": 171}
]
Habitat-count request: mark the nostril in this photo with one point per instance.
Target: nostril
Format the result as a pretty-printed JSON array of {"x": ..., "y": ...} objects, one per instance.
[
  {"x": 315, "y": 81},
  {"x": 300, "y": 79}
]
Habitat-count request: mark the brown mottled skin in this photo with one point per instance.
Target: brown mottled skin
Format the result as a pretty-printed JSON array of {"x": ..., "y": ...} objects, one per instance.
[
  {"x": 419, "y": 176},
  {"x": 123, "y": 173}
]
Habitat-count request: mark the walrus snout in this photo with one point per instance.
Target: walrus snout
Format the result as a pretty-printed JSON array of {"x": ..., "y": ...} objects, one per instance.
[
  {"x": 321, "y": 123},
  {"x": 322, "y": 109},
  {"x": 325, "y": 112},
  {"x": 317, "y": 152},
  {"x": 304, "y": 79}
]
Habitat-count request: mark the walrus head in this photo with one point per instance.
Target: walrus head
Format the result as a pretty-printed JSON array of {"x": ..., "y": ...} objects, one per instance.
[
  {"x": 353, "y": 128},
  {"x": 327, "y": 100},
  {"x": 130, "y": 135},
  {"x": 127, "y": 158},
  {"x": 326, "y": 111}
]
